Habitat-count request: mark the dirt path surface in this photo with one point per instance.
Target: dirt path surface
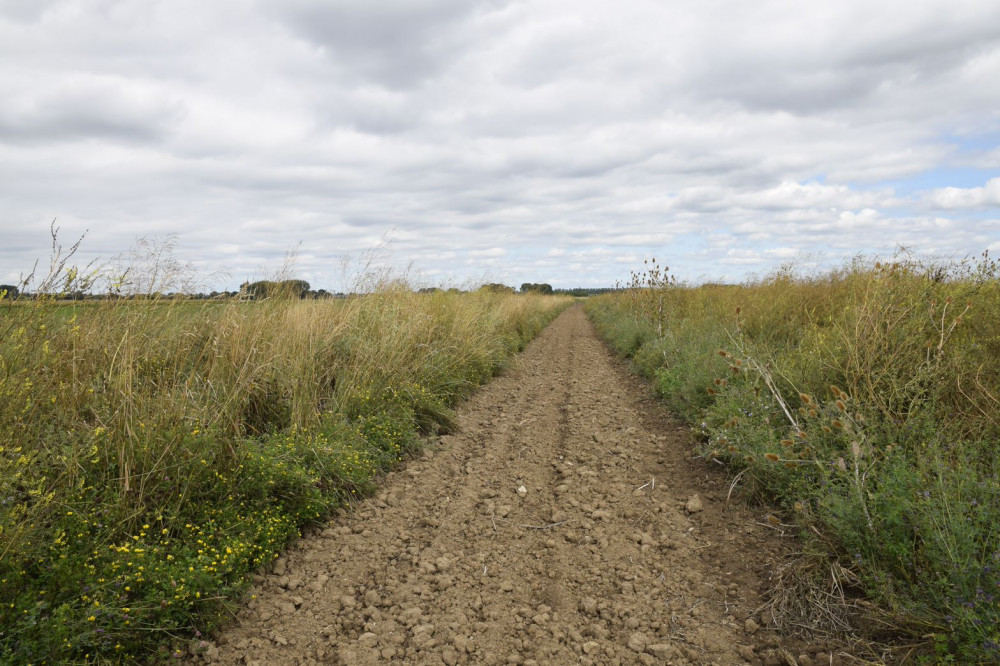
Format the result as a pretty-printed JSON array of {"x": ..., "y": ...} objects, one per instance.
[{"x": 565, "y": 523}]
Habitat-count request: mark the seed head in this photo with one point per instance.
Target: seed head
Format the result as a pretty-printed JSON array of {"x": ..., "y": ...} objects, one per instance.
[
  {"x": 841, "y": 406},
  {"x": 837, "y": 393},
  {"x": 710, "y": 390},
  {"x": 787, "y": 442},
  {"x": 771, "y": 456},
  {"x": 839, "y": 425},
  {"x": 806, "y": 400},
  {"x": 723, "y": 353}
]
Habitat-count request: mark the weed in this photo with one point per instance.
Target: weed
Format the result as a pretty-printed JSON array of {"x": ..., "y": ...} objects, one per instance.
[
  {"x": 862, "y": 401},
  {"x": 154, "y": 452}
]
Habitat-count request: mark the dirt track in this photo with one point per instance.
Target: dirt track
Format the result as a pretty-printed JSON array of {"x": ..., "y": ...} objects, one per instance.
[{"x": 604, "y": 556}]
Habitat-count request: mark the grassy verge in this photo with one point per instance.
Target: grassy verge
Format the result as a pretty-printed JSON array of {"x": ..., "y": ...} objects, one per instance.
[
  {"x": 865, "y": 403},
  {"x": 152, "y": 454}
]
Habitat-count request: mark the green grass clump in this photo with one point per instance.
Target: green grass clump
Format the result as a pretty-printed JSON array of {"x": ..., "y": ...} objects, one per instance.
[
  {"x": 864, "y": 402},
  {"x": 154, "y": 453}
]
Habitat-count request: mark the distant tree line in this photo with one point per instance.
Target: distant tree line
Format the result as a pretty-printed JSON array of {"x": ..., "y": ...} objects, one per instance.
[
  {"x": 262, "y": 289},
  {"x": 585, "y": 291},
  {"x": 288, "y": 289},
  {"x": 543, "y": 288},
  {"x": 498, "y": 288}
]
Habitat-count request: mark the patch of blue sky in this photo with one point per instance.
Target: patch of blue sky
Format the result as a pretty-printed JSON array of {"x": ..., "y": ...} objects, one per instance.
[
  {"x": 932, "y": 179},
  {"x": 974, "y": 143}
]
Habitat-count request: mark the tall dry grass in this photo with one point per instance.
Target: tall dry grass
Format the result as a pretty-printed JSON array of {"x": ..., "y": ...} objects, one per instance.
[
  {"x": 153, "y": 452},
  {"x": 863, "y": 401}
]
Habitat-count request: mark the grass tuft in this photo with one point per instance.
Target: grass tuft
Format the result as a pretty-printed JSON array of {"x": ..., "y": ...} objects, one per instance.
[
  {"x": 155, "y": 452},
  {"x": 873, "y": 386}
]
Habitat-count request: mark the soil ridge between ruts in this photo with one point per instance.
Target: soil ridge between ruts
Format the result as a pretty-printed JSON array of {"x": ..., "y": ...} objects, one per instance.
[{"x": 565, "y": 522}]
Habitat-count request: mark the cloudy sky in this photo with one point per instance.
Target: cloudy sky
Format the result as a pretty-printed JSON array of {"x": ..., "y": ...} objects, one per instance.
[{"x": 561, "y": 141}]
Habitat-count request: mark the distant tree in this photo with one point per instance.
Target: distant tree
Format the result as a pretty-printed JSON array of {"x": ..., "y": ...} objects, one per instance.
[
  {"x": 497, "y": 288},
  {"x": 271, "y": 289},
  {"x": 541, "y": 288},
  {"x": 428, "y": 290},
  {"x": 9, "y": 291}
]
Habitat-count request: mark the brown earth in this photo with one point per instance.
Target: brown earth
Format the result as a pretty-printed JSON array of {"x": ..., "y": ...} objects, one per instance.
[{"x": 568, "y": 522}]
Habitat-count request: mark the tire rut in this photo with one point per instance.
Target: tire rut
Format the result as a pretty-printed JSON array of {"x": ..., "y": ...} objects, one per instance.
[{"x": 559, "y": 525}]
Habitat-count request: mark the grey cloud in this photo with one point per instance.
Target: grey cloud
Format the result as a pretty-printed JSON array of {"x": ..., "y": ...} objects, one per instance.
[
  {"x": 397, "y": 43},
  {"x": 86, "y": 107},
  {"x": 609, "y": 131}
]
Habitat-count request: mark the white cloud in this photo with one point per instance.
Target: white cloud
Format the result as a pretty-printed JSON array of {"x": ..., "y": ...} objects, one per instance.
[
  {"x": 497, "y": 131},
  {"x": 968, "y": 197}
]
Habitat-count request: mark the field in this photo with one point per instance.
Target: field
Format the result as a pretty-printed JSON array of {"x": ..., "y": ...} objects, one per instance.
[
  {"x": 155, "y": 454},
  {"x": 157, "y": 458},
  {"x": 864, "y": 402}
]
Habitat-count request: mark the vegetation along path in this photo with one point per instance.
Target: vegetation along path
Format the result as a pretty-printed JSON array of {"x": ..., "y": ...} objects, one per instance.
[{"x": 566, "y": 522}]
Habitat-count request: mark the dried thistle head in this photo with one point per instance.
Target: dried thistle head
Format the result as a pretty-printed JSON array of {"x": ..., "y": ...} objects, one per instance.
[
  {"x": 787, "y": 442},
  {"x": 806, "y": 400},
  {"x": 773, "y": 457}
]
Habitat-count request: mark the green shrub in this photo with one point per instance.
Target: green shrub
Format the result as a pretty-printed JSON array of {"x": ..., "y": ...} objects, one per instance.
[
  {"x": 153, "y": 454},
  {"x": 863, "y": 402}
]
